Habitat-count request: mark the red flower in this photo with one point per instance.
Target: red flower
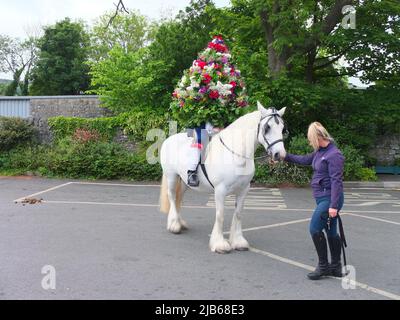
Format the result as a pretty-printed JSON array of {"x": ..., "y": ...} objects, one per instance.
[
  {"x": 175, "y": 94},
  {"x": 207, "y": 78},
  {"x": 218, "y": 47},
  {"x": 219, "y": 37},
  {"x": 201, "y": 64},
  {"x": 233, "y": 84},
  {"x": 214, "y": 94}
]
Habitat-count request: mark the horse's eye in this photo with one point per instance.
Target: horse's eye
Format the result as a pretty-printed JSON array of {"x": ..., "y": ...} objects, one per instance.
[{"x": 267, "y": 127}]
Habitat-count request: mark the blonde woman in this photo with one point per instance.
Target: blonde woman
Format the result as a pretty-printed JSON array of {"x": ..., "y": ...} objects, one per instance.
[{"x": 327, "y": 184}]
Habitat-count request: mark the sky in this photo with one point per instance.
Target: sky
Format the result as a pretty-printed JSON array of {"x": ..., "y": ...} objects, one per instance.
[{"x": 20, "y": 18}]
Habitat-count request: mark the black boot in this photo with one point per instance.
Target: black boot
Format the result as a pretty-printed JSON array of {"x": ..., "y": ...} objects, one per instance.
[
  {"x": 322, "y": 251},
  {"x": 193, "y": 179},
  {"x": 335, "y": 246}
]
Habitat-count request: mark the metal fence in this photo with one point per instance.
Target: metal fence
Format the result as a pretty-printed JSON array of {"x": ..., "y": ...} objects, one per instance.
[
  {"x": 15, "y": 107},
  {"x": 21, "y": 106}
]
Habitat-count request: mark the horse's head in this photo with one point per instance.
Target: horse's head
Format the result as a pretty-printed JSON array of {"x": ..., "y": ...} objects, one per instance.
[{"x": 271, "y": 131}]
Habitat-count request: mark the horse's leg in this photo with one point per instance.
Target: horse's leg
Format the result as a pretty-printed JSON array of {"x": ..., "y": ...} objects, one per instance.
[
  {"x": 217, "y": 241},
  {"x": 238, "y": 242},
  {"x": 184, "y": 225},
  {"x": 174, "y": 224}
]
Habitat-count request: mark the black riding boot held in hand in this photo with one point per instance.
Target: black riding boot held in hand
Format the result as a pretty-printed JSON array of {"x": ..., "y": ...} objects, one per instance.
[
  {"x": 322, "y": 251},
  {"x": 335, "y": 246},
  {"x": 193, "y": 179}
]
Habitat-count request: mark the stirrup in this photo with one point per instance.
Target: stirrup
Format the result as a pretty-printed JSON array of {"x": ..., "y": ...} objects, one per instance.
[{"x": 193, "y": 180}]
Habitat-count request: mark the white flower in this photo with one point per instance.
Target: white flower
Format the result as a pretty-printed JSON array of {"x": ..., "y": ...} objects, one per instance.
[
  {"x": 209, "y": 68},
  {"x": 223, "y": 89},
  {"x": 194, "y": 83}
]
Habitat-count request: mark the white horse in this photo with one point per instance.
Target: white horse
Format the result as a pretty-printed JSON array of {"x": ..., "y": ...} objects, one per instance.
[{"x": 230, "y": 167}]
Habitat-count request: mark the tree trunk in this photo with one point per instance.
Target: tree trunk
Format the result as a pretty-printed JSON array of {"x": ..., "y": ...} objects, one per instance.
[
  {"x": 277, "y": 62},
  {"x": 11, "y": 89}
]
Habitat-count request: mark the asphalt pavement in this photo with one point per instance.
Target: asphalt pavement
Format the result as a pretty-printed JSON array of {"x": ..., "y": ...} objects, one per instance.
[{"x": 107, "y": 240}]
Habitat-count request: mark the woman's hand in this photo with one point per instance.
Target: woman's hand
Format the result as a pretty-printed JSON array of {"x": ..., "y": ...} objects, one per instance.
[{"x": 332, "y": 212}]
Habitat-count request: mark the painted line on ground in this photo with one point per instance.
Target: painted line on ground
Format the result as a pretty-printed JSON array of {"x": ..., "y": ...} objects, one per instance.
[
  {"x": 116, "y": 184},
  {"x": 101, "y": 203},
  {"x": 44, "y": 191},
  {"x": 364, "y": 286},
  {"x": 373, "y": 218},
  {"x": 199, "y": 206}
]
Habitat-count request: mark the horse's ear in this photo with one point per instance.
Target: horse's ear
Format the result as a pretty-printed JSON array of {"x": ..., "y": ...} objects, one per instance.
[
  {"x": 261, "y": 108},
  {"x": 282, "y": 111}
]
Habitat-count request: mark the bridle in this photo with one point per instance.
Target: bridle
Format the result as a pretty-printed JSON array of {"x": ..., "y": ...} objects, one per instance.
[{"x": 274, "y": 115}]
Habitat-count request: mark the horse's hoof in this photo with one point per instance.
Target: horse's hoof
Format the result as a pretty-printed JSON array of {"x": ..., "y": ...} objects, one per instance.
[
  {"x": 184, "y": 224},
  {"x": 223, "y": 247},
  {"x": 223, "y": 251},
  {"x": 242, "y": 249},
  {"x": 175, "y": 228},
  {"x": 239, "y": 244}
]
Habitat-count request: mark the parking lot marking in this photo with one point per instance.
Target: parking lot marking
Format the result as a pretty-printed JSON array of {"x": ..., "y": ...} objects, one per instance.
[
  {"x": 102, "y": 203},
  {"x": 373, "y": 218},
  {"x": 310, "y": 268},
  {"x": 116, "y": 184},
  {"x": 44, "y": 191},
  {"x": 273, "y": 225},
  {"x": 361, "y": 199},
  {"x": 256, "y": 198}
]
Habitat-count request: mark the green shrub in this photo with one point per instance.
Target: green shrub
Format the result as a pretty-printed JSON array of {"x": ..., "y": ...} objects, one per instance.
[
  {"x": 281, "y": 173},
  {"x": 367, "y": 174},
  {"x": 97, "y": 160},
  {"x": 14, "y": 132},
  {"x": 137, "y": 124},
  {"x": 63, "y": 127},
  {"x": 299, "y": 145}
]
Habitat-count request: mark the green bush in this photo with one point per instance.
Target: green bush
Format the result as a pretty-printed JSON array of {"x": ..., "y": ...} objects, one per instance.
[
  {"x": 15, "y": 132},
  {"x": 281, "y": 173},
  {"x": 299, "y": 145},
  {"x": 63, "y": 127},
  {"x": 137, "y": 124}
]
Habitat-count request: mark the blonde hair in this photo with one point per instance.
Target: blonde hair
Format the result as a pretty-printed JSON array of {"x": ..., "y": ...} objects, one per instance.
[{"x": 315, "y": 131}]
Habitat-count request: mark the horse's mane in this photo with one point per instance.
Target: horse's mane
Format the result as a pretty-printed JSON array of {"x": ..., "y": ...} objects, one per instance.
[{"x": 250, "y": 119}]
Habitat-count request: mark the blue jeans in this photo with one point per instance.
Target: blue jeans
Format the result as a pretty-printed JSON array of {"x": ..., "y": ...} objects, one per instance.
[{"x": 320, "y": 216}]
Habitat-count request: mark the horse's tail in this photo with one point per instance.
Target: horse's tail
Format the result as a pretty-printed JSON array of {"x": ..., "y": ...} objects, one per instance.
[{"x": 164, "y": 200}]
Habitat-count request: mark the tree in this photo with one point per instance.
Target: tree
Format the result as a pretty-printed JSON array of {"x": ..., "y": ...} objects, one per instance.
[
  {"x": 305, "y": 39},
  {"x": 131, "y": 31},
  {"x": 17, "y": 58},
  {"x": 148, "y": 76},
  {"x": 62, "y": 67}
]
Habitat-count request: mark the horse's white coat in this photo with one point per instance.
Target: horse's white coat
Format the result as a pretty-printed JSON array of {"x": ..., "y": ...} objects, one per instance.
[{"x": 229, "y": 172}]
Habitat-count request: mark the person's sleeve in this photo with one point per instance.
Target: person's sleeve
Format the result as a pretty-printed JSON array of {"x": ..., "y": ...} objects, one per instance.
[
  {"x": 305, "y": 160},
  {"x": 335, "y": 169}
]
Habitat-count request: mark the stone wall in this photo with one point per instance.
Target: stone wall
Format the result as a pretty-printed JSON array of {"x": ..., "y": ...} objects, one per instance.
[
  {"x": 386, "y": 150},
  {"x": 42, "y": 108}
]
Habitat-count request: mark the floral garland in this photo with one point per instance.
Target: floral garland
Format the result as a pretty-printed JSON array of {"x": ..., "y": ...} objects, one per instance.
[{"x": 211, "y": 90}]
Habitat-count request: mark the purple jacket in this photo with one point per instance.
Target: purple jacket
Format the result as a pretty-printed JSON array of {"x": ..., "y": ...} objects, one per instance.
[{"x": 327, "y": 179}]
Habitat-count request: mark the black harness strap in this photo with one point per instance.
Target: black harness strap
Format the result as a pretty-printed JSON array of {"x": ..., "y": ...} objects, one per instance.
[
  {"x": 203, "y": 168},
  {"x": 342, "y": 239}
]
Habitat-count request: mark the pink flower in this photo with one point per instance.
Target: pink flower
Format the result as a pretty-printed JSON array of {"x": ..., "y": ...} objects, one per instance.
[{"x": 203, "y": 90}]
